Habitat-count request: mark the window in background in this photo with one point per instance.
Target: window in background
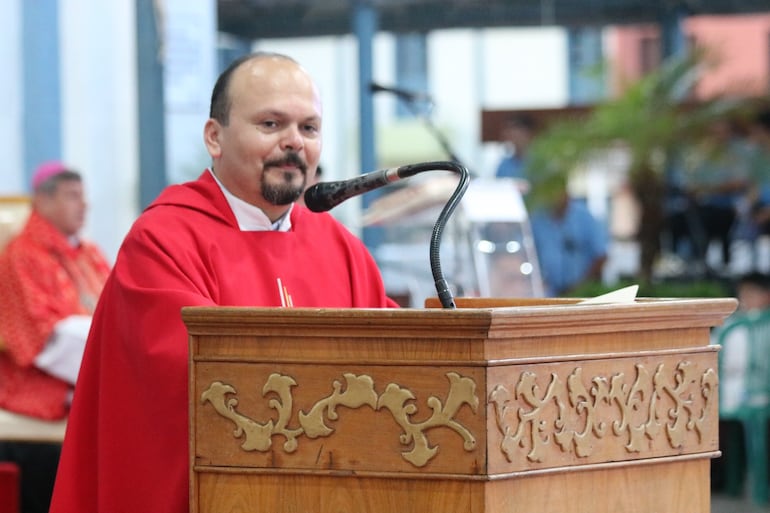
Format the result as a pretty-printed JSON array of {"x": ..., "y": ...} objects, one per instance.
[{"x": 411, "y": 69}]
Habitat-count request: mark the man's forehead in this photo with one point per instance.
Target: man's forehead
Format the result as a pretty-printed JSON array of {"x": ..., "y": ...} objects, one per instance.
[
  {"x": 275, "y": 90},
  {"x": 272, "y": 71},
  {"x": 69, "y": 186}
]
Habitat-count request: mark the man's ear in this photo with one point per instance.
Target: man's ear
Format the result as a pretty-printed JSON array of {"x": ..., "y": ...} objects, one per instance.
[{"x": 212, "y": 131}]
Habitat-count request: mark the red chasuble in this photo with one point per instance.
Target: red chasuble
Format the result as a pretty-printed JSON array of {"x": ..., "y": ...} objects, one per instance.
[
  {"x": 126, "y": 446},
  {"x": 43, "y": 279}
]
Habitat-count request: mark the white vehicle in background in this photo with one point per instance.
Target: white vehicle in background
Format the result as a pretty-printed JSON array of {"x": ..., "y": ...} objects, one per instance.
[{"x": 487, "y": 248}]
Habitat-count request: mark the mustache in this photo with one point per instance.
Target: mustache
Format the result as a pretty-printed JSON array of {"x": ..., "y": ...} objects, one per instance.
[{"x": 289, "y": 159}]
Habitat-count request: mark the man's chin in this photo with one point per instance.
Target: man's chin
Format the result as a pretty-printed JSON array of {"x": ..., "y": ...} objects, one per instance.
[
  {"x": 282, "y": 196},
  {"x": 285, "y": 202}
]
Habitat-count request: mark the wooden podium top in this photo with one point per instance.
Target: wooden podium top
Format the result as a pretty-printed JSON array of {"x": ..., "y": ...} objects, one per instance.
[
  {"x": 477, "y": 329},
  {"x": 472, "y": 313}
]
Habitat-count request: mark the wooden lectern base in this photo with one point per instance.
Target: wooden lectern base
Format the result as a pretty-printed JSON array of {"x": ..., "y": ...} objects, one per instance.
[
  {"x": 497, "y": 406},
  {"x": 661, "y": 487}
]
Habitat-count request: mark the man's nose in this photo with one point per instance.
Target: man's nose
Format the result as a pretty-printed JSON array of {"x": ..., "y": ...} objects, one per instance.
[{"x": 292, "y": 139}]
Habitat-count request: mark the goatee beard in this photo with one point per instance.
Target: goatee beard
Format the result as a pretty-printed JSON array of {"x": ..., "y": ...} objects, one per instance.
[
  {"x": 286, "y": 192},
  {"x": 282, "y": 194}
]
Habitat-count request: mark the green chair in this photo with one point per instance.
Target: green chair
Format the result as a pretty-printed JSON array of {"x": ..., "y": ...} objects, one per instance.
[{"x": 751, "y": 407}]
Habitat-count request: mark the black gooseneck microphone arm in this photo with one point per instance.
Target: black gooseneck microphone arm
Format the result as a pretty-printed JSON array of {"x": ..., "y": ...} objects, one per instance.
[
  {"x": 442, "y": 287},
  {"x": 326, "y": 195}
]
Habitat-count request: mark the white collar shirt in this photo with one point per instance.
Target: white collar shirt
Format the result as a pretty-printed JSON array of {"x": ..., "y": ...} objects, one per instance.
[{"x": 251, "y": 218}]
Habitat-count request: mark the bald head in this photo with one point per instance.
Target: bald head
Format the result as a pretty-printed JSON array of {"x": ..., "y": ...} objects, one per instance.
[
  {"x": 259, "y": 63},
  {"x": 264, "y": 133}
]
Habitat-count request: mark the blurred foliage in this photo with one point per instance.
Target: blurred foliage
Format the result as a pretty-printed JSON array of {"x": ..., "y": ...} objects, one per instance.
[
  {"x": 660, "y": 289},
  {"x": 652, "y": 122},
  {"x": 650, "y": 119}
]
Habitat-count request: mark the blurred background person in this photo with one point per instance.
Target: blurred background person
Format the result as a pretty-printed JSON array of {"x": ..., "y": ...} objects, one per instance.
[
  {"x": 756, "y": 213},
  {"x": 517, "y": 134},
  {"x": 715, "y": 176},
  {"x": 50, "y": 280},
  {"x": 571, "y": 244},
  {"x": 752, "y": 290}
]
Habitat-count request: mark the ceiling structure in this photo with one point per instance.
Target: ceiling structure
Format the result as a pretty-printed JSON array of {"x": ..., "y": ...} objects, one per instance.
[{"x": 258, "y": 19}]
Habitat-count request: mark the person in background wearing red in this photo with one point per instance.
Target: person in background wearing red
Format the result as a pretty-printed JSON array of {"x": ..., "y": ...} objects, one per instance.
[{"x": 50, "y": 280}]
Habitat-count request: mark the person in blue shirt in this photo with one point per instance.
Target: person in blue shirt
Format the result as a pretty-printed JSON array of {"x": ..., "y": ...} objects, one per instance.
[
  {"x": 571, "y": 245},
  {"x": 517, "y": 133},
  {"x": 712, "y": 179}
]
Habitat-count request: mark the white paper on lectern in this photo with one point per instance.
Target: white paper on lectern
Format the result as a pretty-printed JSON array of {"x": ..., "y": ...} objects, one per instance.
[{"x": 624, "y": 295}]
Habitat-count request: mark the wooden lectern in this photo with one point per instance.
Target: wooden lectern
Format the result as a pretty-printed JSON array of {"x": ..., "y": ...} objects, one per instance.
[{"x": 513, "y": 406}]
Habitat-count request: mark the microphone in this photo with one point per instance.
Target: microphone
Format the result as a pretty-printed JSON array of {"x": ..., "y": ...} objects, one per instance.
[
  {"x": 411, "y": 96},
  {"x": 324, "y": 196}
]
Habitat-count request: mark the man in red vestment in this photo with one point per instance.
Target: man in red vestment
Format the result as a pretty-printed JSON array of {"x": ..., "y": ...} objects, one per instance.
[
  {"x": 50, "y": 279},
  {"x": 235, "y": 236}
]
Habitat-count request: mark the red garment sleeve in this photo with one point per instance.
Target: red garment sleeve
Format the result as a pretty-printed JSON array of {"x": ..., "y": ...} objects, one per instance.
[{"x": 32, "y": 301}]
